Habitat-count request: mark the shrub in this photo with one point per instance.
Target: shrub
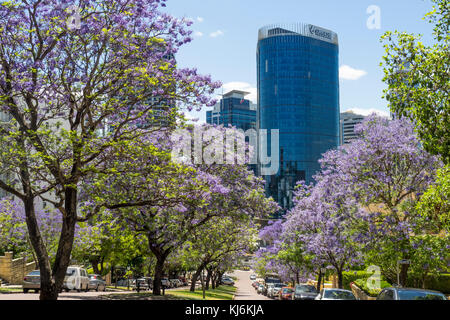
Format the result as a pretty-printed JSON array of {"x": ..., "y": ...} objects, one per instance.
[
  {"x": 433, "y": 282},
  {"x": 362, "y": 284},
  {"x": 351, "y": 276}
]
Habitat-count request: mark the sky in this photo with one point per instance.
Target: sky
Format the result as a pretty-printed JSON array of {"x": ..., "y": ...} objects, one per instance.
[{"x": 225, "y": 37}]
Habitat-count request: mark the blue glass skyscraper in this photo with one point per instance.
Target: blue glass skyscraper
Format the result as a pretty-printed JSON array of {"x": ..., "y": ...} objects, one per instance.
[{"x": 298, "y": 93}]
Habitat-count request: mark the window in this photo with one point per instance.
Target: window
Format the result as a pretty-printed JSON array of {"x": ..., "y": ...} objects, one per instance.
[{"x": 267, "y": 65}]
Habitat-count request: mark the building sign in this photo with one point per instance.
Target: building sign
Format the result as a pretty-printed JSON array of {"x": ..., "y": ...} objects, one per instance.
[{"x": 321, "y": 33}]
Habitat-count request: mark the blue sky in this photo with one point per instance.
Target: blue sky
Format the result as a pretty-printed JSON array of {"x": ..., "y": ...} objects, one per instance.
[{"x": 225, "y": 38}]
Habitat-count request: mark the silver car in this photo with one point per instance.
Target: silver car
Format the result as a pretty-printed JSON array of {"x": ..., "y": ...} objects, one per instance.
[
  {"x": 32, "y": 281},
  {"x": 96, "y": 283}
]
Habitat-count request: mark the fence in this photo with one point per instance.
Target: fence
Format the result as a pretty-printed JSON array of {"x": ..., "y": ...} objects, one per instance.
[{"x": 14, "y": 270}]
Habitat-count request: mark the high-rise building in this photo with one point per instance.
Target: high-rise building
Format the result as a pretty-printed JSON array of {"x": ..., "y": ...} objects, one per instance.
[
  {"x": 298, "y": 93},
  {"x": 233, "y": 109},
  {"x": 348, "y": 122}
]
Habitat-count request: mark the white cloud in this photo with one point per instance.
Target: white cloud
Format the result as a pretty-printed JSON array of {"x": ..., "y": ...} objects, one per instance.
[
  {"x": 348, "y": 73},
  {"x": 216, "y": 34},
  {"x": 367, "y": 112},
  {"x": 198, "y": 34},
  {"x": 200, "y": 19},
  {"x": 243, "y": 86}
]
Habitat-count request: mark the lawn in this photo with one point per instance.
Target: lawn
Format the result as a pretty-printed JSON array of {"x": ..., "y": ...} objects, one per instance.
[
  {"x": 10, "y": 290},
  {"x": 221, "y": 293}
]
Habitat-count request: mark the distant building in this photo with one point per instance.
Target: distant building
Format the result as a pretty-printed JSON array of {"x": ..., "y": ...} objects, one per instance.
[
  {"x": 348, "y": 122},
  {"x": 233, "y": 110}
]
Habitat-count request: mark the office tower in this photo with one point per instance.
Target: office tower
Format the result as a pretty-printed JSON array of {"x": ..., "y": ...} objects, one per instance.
[
  {"x": 233, "y": 109},
  {"x": 298, "y": 93},
  {"x": 348, "y": 122}
]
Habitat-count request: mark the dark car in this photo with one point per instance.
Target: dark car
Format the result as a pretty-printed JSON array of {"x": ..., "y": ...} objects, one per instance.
[
  {"x": 304, "y": 292},
  {"x": 286, "y": 293},
  {"x": 410, "y": 294},
  {"x": 96, "y": 282}
]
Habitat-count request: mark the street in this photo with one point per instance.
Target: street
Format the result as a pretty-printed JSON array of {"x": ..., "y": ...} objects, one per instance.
[{"x": 245, "y": 291}]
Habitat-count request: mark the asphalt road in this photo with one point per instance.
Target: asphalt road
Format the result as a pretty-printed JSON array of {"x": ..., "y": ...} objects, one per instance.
[
  {"x": 245, "y": 291},
  {"x": 73, "y": 295},
  {"x": 91, "y": 295}
]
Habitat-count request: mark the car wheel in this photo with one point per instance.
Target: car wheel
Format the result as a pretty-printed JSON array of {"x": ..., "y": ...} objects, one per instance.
[
  {"x": 36, "y": 290},
  {"x": 96, "y": 289},
  {"x": 104, "y": 288},
  {"x": 87, "y": 288},
  {"x": 25, "y": 290}
]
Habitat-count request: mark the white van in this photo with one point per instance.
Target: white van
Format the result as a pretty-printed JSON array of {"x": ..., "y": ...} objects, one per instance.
[{"x": 76, "y": 279}]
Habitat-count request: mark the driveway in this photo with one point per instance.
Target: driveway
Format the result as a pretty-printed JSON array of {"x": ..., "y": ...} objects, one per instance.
[{"x": 245, "y": 291}]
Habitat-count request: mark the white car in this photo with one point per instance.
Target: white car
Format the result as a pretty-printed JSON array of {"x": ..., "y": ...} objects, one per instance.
[
  {"x": 335, "y": 294},
  {"x": 76, "y": 279},
  {"x": 270, "y": 290}
]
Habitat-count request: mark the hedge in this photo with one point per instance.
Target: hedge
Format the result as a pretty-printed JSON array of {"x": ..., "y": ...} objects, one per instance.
[
  {"x": 439, "y": 283},
  {"x": 362, "y": 284},
  {"x": 351, "y": 276}
]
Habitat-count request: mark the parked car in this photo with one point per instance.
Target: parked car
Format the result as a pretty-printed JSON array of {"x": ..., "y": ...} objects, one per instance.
[
  {"x": 335, "y": 294},
  {"x": 304, "y": 292},
  {"x": 145, "y": 283},
  {"x": 227, "y": 281},
  {"x": 96, "y": 282},
  {"x": 253, "y": 277},
  {"x": 175, "y": 283},
  {"x": 76, "y": 279},
  {"x": 184, "y": 281},
  {"x": 166, "y": 283},
  {"x": 32, "y": 281},
  {"x": 286, "y": 293},
  {"x": 260, "y": 288},
  {"x": 276, "y": 289},
  {"x": 410, "y": 294},
  {"x": 270, "y": 290}
]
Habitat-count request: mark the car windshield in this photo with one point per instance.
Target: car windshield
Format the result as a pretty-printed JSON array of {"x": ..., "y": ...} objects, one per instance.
[
  {"x": 338, "y": 295},
  {"x": 305, "y": 289},
  {"x": 35, "y": 273},
  {"x": 70, "y": 272},
  {"x": 419, "y": 295},
  {"x": 278, "y": 285}
]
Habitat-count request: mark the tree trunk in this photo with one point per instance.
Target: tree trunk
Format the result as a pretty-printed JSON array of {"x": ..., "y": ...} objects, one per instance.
[
  {"x": 213, "y": 279},
  {"x": 208, "y": 278},
  {"x": 65, "y": 244},
  {"x": 48, "y": 289},
  {"x": 404, "y": 274},
  {"x": 340, "y": 279},
  {"x": 94, "y": 263},
  {"x": 195, "y": 277},
  {"x": 319, "y": 281}
]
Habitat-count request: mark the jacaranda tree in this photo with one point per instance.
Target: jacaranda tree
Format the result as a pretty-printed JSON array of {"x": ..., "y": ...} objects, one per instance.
[{"x": 77, "y": 78}]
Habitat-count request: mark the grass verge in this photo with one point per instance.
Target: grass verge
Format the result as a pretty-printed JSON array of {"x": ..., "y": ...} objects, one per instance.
[{"x": 220, "y": 293}]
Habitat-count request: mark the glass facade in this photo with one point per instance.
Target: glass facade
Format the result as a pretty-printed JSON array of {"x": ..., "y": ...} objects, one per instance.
[
  {"x": 349, "y": 120},
  {"x": 233, "y": 110},
  {"x": 298, "y": 93}
]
